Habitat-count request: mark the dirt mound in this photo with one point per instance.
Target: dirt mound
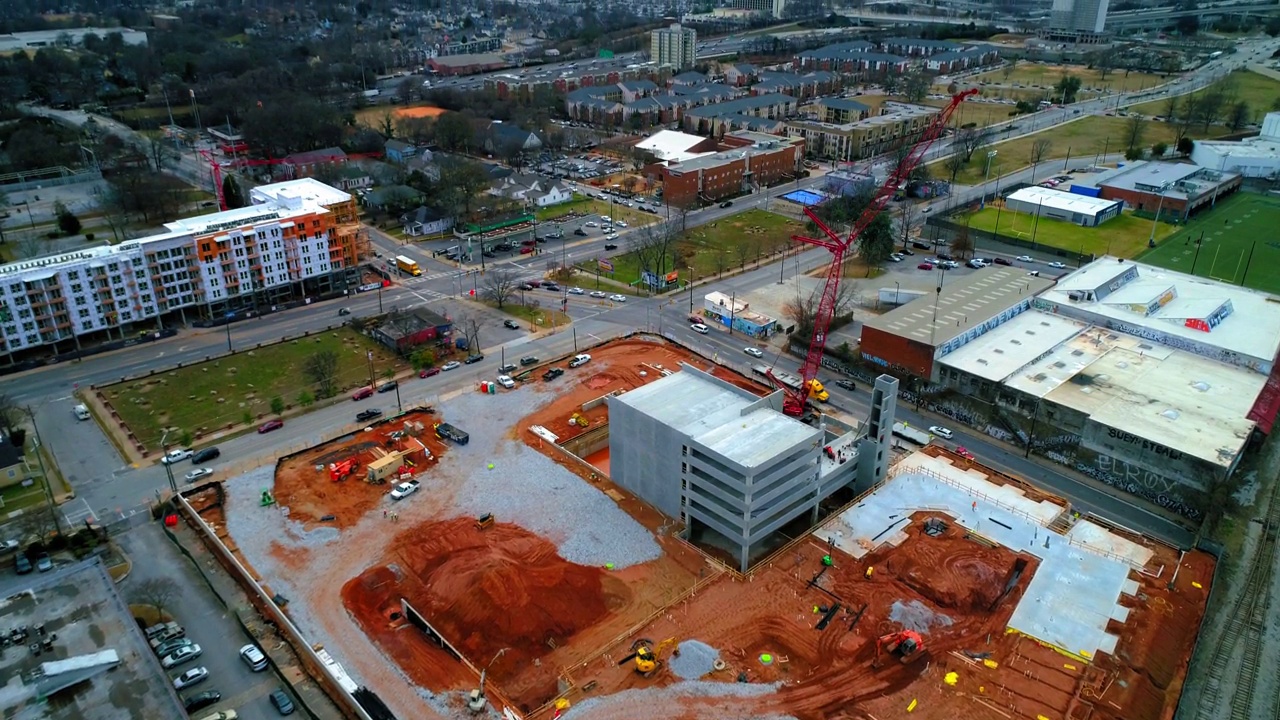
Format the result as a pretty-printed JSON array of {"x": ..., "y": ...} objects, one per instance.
[
  {"x": 502, "y": 587},
  {"x": 600, "y": 381},
  {"x": 970, "y": 581}
]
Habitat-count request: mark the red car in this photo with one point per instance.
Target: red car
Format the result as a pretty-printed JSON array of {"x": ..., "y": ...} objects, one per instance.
[
  {"x": 270, "y": 425},
  {"x": 526, "y": 250},
  {"x": 428, "y": 372},
  {"x": 925, "y": 266},
  {"x": 362, "y": 393}
]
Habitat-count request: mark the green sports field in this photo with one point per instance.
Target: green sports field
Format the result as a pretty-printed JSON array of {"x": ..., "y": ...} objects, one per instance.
[
  {"x": 1241, "y": 244},
  {"x": 1123, "y": 236}
]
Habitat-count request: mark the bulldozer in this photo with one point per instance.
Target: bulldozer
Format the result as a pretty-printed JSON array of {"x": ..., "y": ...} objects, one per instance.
[
  {"x": 648, "y": 657},
  {"x": 906, "y": 645}
]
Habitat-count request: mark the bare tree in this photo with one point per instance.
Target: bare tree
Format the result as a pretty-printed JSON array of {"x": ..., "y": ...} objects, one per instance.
[
  {"x": 499, "y": 286},
  {"x": 803, "y": 309},
  {"x": 28, "y": 243},
  {"x": 10, "y": 414},
  {"x": 470, "y": 324},
  {"x": 109, "y": 207},
  {"x": 904, "y": 223},
  {"x": 1039, "y": 149},
  {"x": 1187, "y": 117},
  {"x": 742, "y": 251},
  {"x": 954, "y": 163},
  {"x": 158, "y": 592},
  {"x": 1008, "y": 69},
  {"x": 160, "y": 152},
  {"x": 1171, "y": 108},
  {"x": 322, "y": 369},
  {"x": 1238, "y": 116},
  {"x": 721, "y": 260},
  {"x": 970, "y": 140},
  {"x": 962, "y": 243},
  {"x": 652, "y": 246},
  {"x": 1133, "y": 131}
]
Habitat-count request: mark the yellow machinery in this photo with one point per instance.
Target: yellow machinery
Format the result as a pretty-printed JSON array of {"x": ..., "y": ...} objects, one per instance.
[
  {"x": 580, "y": 420},
  {"x": 648, "y": 657},
  {"x": 817, "y": 392}
]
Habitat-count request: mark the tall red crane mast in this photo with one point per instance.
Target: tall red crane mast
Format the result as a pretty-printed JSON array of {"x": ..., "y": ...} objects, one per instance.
[
  {"x": 216, "y": 168},
  {"x": 797, "y": 398}
]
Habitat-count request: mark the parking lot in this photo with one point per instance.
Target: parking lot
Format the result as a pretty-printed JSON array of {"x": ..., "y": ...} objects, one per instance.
[
  {"x": 579, "y": 167},
  {"x": 207, "y": 623}
]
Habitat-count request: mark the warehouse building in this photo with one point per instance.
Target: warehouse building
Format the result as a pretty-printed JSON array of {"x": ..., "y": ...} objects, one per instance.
[
  {"x": 743, "y": 471},
  {"x": 911, "y": 339},
  {"x": 1254, "y": 157},
  {"x": 1068, "y": 207},
  {"x": 1173, "y": 189},
  {"x": 1139, "y": 377}
]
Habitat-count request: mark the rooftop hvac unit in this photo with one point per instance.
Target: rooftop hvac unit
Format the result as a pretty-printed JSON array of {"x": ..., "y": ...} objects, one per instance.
[{"x": 1075, "y": 296}]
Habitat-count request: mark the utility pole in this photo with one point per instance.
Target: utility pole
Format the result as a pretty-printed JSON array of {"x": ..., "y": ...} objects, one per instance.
[
  {"x": 44, "y": 474},
  {"x": 168, "y": 467}
]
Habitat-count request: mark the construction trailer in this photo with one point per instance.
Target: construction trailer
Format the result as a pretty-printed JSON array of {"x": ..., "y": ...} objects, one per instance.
[{"x": 384, "y": 467}]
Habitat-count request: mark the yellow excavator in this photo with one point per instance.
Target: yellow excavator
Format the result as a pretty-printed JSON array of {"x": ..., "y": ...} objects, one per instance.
[{"x": 648, "y": 657}]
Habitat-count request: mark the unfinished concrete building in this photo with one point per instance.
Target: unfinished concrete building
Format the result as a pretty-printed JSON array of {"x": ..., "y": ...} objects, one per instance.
[{"x": 728, "y": 464}]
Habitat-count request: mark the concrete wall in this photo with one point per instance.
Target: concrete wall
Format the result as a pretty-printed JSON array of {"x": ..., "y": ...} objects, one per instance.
[
  {"x": 644, "y": 458},
  {"x": 591, "y": 441}
]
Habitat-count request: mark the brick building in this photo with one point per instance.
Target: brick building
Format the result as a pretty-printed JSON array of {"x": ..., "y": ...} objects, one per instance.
[
  {"x": 1175, "y": 189},
  {"x": 864, "y": 138},
  {"x": 744, "y": 160}
]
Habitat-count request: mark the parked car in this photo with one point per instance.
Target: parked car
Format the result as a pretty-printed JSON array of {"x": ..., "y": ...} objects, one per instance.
[
  {"x": 183, "y": 654},
  {"x": 599, "y": 294},
  {"x": 1025, "y": 258},
  {"x": 222, "y": 715},
  {"x": 253, "y": 657},
  {"x": 405, "y": 489},
  {"x": 907, "y": 251},
  {"x": 529, "y": 360},
  {"x": 362, "y": 393},
  {"x": 895, "y": 258},
  {"x": 169, "y": 646},
  {"x": 925, "y": 266},
  {"x": 177, "y": 455},
  {"x": 700, "y": 328},
  {"x": 511, "y": 324},
  {"x": 1003, "y": 261},
  {"x": 270, "y": 425},
  {"x": 976, "y": 264},
  {"x": 366, "y": 415},
  {"x": 726, "y": 203},
  {"x": 754, "y": 352},
  {"x": 206, "y": 455},
  {"x": 506, "y": 381},
  {"x": 527, "y": 250},
  {"x": 472, "y": 359},
  {"x": 921, "y": 245},
  {"x": 508, "y": 369},
  {"x": 22, "y": 564},
  {"x": 190, "y": 677},
  {"x": 197, "y": 474},
  {"x": 44, "y": 563},
  {"x": 579, "y": 360},
  {"x": 451, "y": 365},
  {"x": 576, "y": 291},
  {"x": 388, "y": 386},
  {"x": 846, "y": 384},
  {"x": 552, "y": 373},
  {"x": 945, "y": 256},
  {"x": 428, "y": 372},
  {"x": 281, "y": 702},
  {"x": 591, "y": 223},
  {"x": 940, "y": 431},
  {"x": 199, "y": 701}
]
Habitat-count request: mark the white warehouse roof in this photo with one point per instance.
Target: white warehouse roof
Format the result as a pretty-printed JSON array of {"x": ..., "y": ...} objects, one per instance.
[
  {"x": 1064, "y": 201},
  {"x": 672, "y": 145}
]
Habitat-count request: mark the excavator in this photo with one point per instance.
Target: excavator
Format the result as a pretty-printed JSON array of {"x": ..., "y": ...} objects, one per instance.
[
  {"x": 906, "y": 645},
  {"x": 648, "y": 657}
]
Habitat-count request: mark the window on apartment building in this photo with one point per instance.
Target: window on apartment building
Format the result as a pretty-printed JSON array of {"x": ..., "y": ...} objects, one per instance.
[
  {"x": 28, "y": 326},
  {"x": 113, "y": 268},
  {"x": 84, "y": 314},
  {"x": 77, "y": 288},
  {"x": 206, "y": 247},
  {"x": 10, "y": 329},
  {"x": 73, "y": 275},
  {"x": 32, "y": 339},
  {"x": 86, "y": 325},
  {"x": 126, "y": 316},
  {"x": 146, "y": 298},
  {"x": 24, "y": 313},
  {"x": 119, "y": 292}
]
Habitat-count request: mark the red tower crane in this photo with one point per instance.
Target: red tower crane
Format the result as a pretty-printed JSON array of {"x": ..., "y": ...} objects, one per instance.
[
  {"x": 797, "y": 398},
  {"x": 249, "y": 162}
]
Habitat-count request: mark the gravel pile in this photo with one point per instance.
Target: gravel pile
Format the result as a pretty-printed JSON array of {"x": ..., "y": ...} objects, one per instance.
[
  {"x": 917, "y": 616},
  {"x": 527, "y": 488},
  {"x": 643, "y": 697},
  {"x": 259, "y": 526},
  {"x": 695, "y": 660}
]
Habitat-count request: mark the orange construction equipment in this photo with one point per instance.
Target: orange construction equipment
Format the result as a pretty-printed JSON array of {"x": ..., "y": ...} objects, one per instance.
[
  {"x": 484, "y": 522},
  {"x": 340, "y": 470},
  {"x": 906, "y": 645}
]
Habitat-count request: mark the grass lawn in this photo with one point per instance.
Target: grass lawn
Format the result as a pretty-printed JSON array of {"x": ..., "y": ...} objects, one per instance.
[
  {"x": 596, "y": 208},
  {"x": 980, "y": 113},
  {"x": 1124, "y": 236},
  {"x": 218, "y": 393},
  {"x": 17, "y": 497},
  {"x": 1257, "y": 90},
  {"x": 711, "y": 249},
  {"x": 1083, "y": 139},
  {"x": 539, "y": 313},
  {"x": 1231, "y": 251},
  {"x": 1030, "y": 75}
]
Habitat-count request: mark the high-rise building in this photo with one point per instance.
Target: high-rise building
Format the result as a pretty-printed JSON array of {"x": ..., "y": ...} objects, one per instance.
[
  {"x": 675, "y": 47},
  {"x": 298, "y": 238},
  {"x": 772, "y": 8},
  {"x": 1080, "y": 21}
]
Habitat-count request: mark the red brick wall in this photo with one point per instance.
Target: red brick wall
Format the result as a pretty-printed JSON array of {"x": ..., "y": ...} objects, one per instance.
[
  {"x": 680, "y": 190},
  {"x": 1144, "y": 200},
  {"x": 916, "y": 357}
]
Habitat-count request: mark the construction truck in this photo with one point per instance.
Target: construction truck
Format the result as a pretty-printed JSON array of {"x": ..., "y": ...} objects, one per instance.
[
  {"x": 648, "y": 657},
  {"x": 579, "y": 420},
  {"x": 341, "y": 470},
  {"x": 906, "y": 645},
  {"x": 793, "y": 381}
]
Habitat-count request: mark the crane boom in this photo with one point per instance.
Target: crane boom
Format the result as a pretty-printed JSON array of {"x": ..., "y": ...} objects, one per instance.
[{"x": 797, "y": 399}]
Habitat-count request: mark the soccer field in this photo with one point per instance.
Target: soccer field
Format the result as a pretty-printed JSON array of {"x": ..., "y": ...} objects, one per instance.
[
  {"x": 1241, "y": 244},
  {"x": 1122, "y": 236}
]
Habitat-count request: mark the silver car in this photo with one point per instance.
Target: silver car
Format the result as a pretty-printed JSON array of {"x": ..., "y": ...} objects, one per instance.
[{"x": 190, "y": 677}]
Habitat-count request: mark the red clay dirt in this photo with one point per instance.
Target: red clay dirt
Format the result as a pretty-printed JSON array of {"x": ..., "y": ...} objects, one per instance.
[{"x": 309, "y": 494}]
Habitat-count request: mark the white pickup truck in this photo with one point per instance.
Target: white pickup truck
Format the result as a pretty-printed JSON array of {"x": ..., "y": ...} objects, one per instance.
[{"x": 405, "y": 489}]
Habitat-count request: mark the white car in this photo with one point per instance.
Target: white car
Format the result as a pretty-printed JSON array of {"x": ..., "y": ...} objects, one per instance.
[
  {"x": 181, "y": 655},
  {"x": 895, "y": 258},
  {"x": 451, "y": 365},
  {"x": 1025, "y": 258},
  {"x": 940, "y": 431},
  {"x": 590, "y": 224},
  {"x": 253, "y": 657},
  {"x": 609, "y": 232},
  {"x": 620, "y": 223},
  {"x": 599, "y": 294},
  {"x": 754, "y": 352},
  {"x": 198, "y": 473},
  {"x": 506, "y": 381},
  {"x": 576, "y": 291},
  {"x": 404, "y": 490},
  {"x": 178, "y": 455},
  {"x": 190, "y": 677},
  {"x": 700, "y": 328},
  {"x": 1056, "y": 265},
  {"x": 606, "y": 218},
  {"x": 976, "y": 264},
  {"x": 618, "y": 298}
]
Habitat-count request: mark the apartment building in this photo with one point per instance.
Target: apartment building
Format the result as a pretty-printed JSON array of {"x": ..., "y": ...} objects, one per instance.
[
  {"x": 722, "y": 117},
  {"x": 298, "y": 237},
  {"x": 674, "y": 47},
  {"x": 745, "y": 160},
  {"x": 897, "y": 122}
]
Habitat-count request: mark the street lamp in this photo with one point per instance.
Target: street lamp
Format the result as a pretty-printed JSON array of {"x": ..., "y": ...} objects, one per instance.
[
  {"x": 48, "y": 493},
  {"x": 990, "y": 154},
  {"x": 231, "y": 315},
  {"x": 784, "y": 262},
  {"x": 1151, "y": 241}
]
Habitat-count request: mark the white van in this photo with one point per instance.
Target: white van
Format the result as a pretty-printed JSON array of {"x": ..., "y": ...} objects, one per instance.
[{"x": 82, "y": 412}]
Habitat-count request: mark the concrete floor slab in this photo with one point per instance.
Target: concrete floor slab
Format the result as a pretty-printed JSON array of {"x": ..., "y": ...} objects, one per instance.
[
  {"x": 1099, "y": 539},
  {"x": 1075, "y": 590}
]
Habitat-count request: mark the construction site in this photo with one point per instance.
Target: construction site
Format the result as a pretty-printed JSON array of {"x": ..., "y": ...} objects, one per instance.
[{"x": 520, "y": 573}]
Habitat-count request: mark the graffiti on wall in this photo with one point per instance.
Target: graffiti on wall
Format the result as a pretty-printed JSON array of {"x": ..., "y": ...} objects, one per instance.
[{"x": 1150, "y": 486}]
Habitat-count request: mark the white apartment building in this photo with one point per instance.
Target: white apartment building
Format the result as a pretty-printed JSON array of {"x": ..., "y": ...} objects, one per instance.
[
  {"x": 298, "y": 232},
  {"x": 675, "y": 47}
]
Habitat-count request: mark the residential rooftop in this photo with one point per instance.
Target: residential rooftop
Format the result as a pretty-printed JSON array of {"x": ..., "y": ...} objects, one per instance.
[
  {"x": 1211, "y": 318},
  {"x": 962, "y": 306},
  {"x": 99, "y": 667}
]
